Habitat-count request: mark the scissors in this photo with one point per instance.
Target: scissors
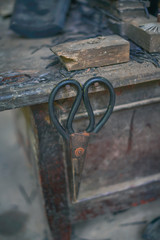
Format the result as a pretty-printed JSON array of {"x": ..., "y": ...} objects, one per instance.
[{"x": 79, "y": 141}]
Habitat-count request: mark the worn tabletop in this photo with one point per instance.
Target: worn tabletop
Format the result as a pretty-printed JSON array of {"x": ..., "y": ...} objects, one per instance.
[{"x": 29, "y": 70}]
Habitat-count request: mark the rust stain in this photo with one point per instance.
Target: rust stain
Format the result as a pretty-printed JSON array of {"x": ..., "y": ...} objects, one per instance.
[
  {"x": 60, "y": 106},
  {"x": 152, "y": 199},
  {"x": 92, "y": 213},
  {"x": 16, "y": 76},
  {"x": 86, "y": 134},
  {"x": 119, "y": 92},
  {"x": 134, "y": 204},
  {"x": 78, "y": 147},
  {"x": 79, "y": 151},
  {"x": 130, "y": 86},
  {"x": 143, "y": 202},
  {"x": 88, "y": 70},
  {"x": 47, "y": 119}
]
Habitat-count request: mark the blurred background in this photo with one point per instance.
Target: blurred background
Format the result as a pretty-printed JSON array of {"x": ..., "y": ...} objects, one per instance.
[{"x": 21, "y": 208}]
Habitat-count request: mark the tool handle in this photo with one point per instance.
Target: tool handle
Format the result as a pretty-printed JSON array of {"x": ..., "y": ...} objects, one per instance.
[
  {"x": 75, "y": 106},
  {"x": 86, "y": 100}
]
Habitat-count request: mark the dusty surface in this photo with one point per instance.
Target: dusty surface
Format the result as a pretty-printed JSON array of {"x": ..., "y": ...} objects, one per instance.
[
  {"x": 93, "y": 52},
  {"x": 29, "y": 70}
]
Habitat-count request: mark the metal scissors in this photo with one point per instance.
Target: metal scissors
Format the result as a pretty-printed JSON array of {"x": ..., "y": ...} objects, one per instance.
[{"x": 79, "y": 141}]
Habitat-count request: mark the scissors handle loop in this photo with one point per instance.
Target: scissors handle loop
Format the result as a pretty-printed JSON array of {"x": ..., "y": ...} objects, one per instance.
[
  {"x": 73, "y": 111},
  {"x": 88, "y": 106}
]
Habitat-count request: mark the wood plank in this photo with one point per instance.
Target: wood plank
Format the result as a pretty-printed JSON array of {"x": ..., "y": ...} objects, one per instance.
[
  {"x": 120, "y": 4},
  {"x": 111, "y": 204},
  {"x": 147, "y": 39},
  {"x": 121, "y": 9},
  {"x": 94, "y": 52},
  {"x": 36, "y": 89},
  {"x": 115, "y": 146}
]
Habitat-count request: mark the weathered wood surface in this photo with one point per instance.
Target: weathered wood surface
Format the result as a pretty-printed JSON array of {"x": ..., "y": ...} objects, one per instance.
[
  {"x": 128, "y": 147},
  {"x": 124, "y": 3},
  {"x": 29, "y": 70},
  {"x": 115, "y": 203},
  {"x": 46, "y": 159},
  {"x": 130, "y": 138},
  {"x": 93, "y": 52},
  {"x": 119, "y": 179},
  {"x": 121, "y": 9},
  {"x": 147, "y": 39},
  {"x": 24, "y": 90}
]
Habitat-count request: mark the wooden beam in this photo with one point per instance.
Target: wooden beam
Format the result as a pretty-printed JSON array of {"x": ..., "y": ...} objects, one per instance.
[
  {"x": 145, "y": 32},
  {"x": 94, "y": 52},
  {"x": 121, "y": 9}
]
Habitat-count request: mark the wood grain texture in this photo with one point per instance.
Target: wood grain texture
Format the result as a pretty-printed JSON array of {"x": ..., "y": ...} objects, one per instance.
[
  {"x": 121, "y": 9},
  {"x": 148, "y": 40},
  {"x": 115, "y": 203},
  {"x": 119, "y": 179},
  {"x": 50, "y": 171},
  {"x": 94, "y": 52},
  {"x": 36, "y": 89}
]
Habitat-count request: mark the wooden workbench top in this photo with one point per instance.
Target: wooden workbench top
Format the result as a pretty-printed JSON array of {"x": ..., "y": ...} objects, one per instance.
[{"x": 29, "y": 70}]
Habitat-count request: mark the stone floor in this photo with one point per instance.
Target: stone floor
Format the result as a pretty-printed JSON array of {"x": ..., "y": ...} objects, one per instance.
[{"x": 21, "y": 212}]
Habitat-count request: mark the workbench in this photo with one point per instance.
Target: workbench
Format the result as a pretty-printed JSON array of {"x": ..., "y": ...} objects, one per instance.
[{"x": 122, "y": 168}]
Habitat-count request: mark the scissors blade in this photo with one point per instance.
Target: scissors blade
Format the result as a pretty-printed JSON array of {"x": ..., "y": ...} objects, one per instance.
[{"x": 78, "y": 147}]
